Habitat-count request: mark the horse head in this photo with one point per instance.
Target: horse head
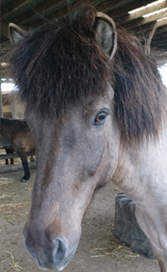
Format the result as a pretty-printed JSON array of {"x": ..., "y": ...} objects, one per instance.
[{"x": 76, "y": 138}]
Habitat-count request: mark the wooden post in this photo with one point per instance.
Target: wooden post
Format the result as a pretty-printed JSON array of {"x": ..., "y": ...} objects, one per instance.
[{"x": 1, "y": 112}]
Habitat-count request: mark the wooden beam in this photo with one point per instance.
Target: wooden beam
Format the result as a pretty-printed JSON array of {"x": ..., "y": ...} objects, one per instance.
[
  {"x": 44, "y": 10},
  {"x": 50, "y": 13},
  {"x": 162, "y": 22},
  {"x": 142, "y": 12},
  {"x": 9, "y": 156},
  {"x": 10, "y": 6},
  {"x": 117, "y": 12},
  {"x": 111, "y": 5},
  {"x": 143, "y": 21},
  {"x": 18, "y": 6},
  {"x": 16, "y": 167}
]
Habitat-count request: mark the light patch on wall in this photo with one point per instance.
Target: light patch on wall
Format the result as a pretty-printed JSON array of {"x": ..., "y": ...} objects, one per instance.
[
  {"x": 163, "y": 73},
  {"x": 7, "y": 87}
]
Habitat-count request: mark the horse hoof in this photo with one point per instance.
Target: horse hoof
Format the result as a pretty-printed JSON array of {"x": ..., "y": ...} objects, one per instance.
[{"x": 23, "y": 180}]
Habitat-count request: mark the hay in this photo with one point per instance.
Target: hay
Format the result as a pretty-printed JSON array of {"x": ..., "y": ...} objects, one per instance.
[
  {"x": 5, "y": 181},
  {"x": 14, "y": 266},
  {"x": 15, "y": 212},
  {"x": 116, "y": 189},
  {"x": 14, "y": 206},
  {"x": 112, "y": 248},
  {"x": 117, "y": 250}
]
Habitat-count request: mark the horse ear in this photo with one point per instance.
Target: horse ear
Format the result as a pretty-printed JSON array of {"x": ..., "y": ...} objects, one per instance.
[
  {"x": 15, "y": 33},
  {"x": 106, "y": 34}
]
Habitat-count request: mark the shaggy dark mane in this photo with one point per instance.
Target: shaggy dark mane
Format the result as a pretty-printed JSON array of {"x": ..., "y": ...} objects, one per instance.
[
  {"x": 61, "y": 62},
  {"x": 140, "y": 97}
]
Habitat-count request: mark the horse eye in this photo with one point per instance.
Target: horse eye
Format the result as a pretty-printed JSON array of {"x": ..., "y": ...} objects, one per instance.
[{"x": 100, "y": 118}]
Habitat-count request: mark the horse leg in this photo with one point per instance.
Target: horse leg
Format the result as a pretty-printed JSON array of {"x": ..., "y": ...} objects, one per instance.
[
  {"x": 11, "y": 161},
  {"x": 7, "y": 163},
  {"x": 32, "y": 159},
  {"x": 155, "y": 233},
  {"x": 7, "y": 152},
  {"x": 26, "y": 176},
  {"x": 161, "y": 257},
  {"x": 11, "y": 151}
]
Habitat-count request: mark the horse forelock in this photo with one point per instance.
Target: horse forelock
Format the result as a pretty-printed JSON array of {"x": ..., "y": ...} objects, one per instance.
[{"x": 61, "y": 63}]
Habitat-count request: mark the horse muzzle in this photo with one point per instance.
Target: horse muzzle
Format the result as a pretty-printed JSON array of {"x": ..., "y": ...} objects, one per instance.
[{"x": 49, "y": 254}]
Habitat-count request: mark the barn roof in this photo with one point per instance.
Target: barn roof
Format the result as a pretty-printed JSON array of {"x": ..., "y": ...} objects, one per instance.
[{"x": 151, "y": 16}]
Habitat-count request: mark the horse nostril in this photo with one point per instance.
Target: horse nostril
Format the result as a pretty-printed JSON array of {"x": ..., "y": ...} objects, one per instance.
[
  {"x": 60, "y": 249},
  {"x": 49, "y": 253},
  {"x": 29, "y": 243}
]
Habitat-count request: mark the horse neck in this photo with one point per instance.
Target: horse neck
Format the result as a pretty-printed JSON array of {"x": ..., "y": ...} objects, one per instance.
[{"x": 6, "y": 128}]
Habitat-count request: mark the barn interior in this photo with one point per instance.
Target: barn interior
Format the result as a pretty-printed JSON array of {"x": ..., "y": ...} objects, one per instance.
[
  {"x": 98, "y": 250},
  {"x": 147, "y": 19}
]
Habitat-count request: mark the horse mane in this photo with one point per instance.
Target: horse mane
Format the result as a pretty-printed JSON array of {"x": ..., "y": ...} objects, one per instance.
[
  {"x": 60, "y": 63},
  {"x": 140, "y": 97}
]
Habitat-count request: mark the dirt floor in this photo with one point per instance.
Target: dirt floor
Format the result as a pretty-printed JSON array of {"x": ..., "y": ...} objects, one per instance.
[{"x": 98, "y": 250}]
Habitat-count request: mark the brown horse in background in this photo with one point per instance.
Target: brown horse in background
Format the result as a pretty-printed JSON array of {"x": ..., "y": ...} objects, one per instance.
[
  {"x": 18, "y": 133},
  {"x": 97, "y": 110}
]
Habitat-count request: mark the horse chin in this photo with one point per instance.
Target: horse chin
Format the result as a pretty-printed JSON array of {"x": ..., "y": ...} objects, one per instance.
[{"x": 55, "y": 265}]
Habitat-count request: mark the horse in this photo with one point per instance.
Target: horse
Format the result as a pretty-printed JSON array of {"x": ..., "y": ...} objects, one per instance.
[
  {"x": 96, "y": 107},
  {"x": 18, "y": 133},
  {"x": 9, "y": 150}
]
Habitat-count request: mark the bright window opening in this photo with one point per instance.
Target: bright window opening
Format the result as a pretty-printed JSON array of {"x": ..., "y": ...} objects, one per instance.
[{"x": 163, "y": 73}]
